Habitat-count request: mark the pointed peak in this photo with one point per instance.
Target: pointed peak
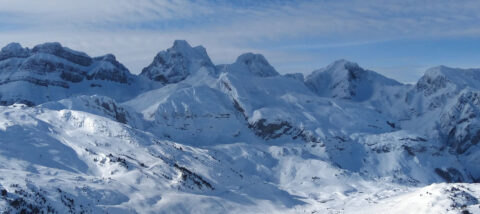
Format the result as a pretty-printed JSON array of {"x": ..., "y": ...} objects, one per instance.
[
  {"x": 339, "y": 70},
  {"x": 107, "y": 57},
  {"x": 184, "y": 48},
  {"x": 248, "y": 58},
  {"x": 177, "y": 63},
  {"x": 181, "y": 44},
  {"x": 257, "y": 64},
  {"x": 343, "y": 64}
]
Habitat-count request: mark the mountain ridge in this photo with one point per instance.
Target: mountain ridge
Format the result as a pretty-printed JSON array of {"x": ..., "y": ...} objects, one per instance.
[{"x": 186, "y": 135}]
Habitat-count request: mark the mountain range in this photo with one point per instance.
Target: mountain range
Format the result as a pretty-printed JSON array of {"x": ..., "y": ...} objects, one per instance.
[{"x": 81, "y": 134}]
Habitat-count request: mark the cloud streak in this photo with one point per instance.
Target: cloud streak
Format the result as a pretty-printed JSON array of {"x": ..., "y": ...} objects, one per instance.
[{"x": 285, "y": 31}]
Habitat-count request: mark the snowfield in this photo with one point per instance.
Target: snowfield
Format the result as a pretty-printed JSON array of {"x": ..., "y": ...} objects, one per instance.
[{"x": 84, "y": 135}]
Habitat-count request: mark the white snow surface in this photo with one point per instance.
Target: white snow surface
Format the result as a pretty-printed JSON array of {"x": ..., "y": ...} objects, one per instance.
[{"x": 237, "y": 138}]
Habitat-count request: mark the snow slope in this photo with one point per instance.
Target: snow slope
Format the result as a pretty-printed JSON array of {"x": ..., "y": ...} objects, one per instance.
[{"x": 83, "y": 135}]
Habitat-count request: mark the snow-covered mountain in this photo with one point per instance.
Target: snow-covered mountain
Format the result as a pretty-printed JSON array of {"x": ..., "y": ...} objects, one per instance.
[
  {"x": 347, "y": 80},
  {"x": 52, "y": 72},
  {"x": 177, "y": 63},
  {"x": 84, "y": 135}
]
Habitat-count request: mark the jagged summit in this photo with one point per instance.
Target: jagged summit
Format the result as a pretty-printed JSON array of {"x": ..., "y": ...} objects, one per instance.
[
  {"x": 257, "y": 64},
  {"x": 177, "y": 63}
]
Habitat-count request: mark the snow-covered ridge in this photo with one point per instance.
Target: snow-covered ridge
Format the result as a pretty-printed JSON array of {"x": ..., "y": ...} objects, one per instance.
[
  {"x": 188, "y": 136},
  {"x": 51, "y": 72},
  {"x": 73, "y": 66}
]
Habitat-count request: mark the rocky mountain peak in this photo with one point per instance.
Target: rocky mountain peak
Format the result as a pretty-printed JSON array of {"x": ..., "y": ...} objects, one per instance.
[
  {"x": 346, "y": 80},
  {"x": 107, "y": 57},
  {"x": 343, "y": 64},
  {"x": 177, "y": 63},
  {"x": 13, "y": 50},
  {"x": 442, "y": 77},
  {"x": 108, "y": 68},
  {"x": 56, "y": 49},
  {"x": 257, "y": 64},
  {"x": 344, "y": 69},
  {"x": 181, "y": 45}
]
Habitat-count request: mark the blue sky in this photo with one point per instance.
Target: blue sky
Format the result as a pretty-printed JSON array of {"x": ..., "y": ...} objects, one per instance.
[{"x": 399, "y": 39}]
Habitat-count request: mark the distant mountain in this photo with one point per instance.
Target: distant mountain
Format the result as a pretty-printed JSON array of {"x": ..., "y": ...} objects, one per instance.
[
  {"x": 81, "y": 134},
  {"x": 50, "y": 72},
  {"x": 347, "y": 80},
  {"x": 177, "y": 63}
]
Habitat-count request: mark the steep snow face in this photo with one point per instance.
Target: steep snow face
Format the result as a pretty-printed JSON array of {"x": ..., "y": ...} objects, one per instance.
[
  {"x": 444, "y": 105},
  {"x": 460, "y": 127},
  {"x": 440, "y": 86},
  {"x": 177, "y": 63},
  {"x": 347, "y": 80},
  {"x": 445, "y": 78},
  {"x": 447, "y": 93},
  {"x": 52, "y": 72},
  {"x": 108, "y": 68}
]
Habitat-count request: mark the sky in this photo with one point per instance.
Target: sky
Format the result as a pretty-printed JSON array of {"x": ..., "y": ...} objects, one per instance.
[{"x": 399, "y": 39}]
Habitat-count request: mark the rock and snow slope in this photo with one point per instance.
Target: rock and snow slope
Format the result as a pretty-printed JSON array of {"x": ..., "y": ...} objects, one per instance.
[
  {"x": 84, "y": 135},
  {"x": 52, "y": 72}
]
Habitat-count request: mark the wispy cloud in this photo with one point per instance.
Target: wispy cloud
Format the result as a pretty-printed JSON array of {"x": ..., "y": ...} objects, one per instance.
[{"x": 287, "y": 32}]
